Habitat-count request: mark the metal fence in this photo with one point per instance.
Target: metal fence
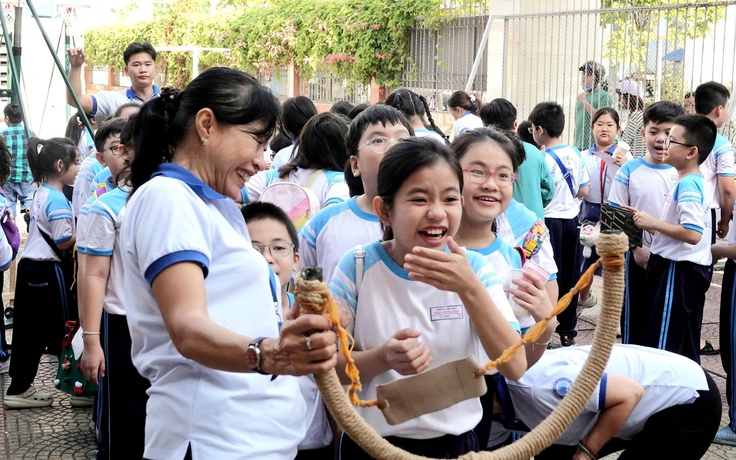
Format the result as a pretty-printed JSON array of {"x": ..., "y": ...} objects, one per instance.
[
  {"x": 441, "y": 60},
  {"x": 277, "y": 79},
  {"x": 323, "y": 87},
  {"x": 664, "y": 50}
]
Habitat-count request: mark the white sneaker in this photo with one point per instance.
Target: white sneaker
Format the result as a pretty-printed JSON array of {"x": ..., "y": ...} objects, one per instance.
[
  {"x": 5, "y": 366},
  {"x": 32, "y": 397},
  {"x": 590, "y": 302}
]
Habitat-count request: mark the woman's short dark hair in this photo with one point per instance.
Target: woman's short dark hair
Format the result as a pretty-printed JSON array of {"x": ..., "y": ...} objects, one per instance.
[{"x": 234, "y": 97}]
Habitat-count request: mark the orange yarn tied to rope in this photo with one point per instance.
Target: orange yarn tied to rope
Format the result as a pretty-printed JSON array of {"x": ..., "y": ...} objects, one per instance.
[{"x": 313, "y": 296}]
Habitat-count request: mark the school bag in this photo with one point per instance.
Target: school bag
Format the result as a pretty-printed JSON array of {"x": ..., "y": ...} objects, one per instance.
[
  {"x": 299, "y": 202},
  {"x": 69, "y": 376},
  {"x": 10, "y": 229}
]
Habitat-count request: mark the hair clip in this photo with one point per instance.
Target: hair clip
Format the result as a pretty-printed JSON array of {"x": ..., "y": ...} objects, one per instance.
[
  {"x": 38, "y": 149},
  {"x": 472, "y": 98}
]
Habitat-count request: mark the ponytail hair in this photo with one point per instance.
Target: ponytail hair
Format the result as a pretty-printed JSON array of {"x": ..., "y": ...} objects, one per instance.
[
  {"x": 412, "y": 104},
  {"x": 75, "y": 127},
  {"x": 44, "y": 153},
  {"x": 464, "y": 100},
  {"x": 234, "y": 97}
]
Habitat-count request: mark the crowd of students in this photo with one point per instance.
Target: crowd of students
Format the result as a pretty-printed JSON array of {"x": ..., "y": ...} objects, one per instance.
[{"x": 183, "y": 273}]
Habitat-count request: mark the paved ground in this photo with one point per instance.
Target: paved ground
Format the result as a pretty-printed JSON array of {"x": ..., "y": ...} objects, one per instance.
[{"x": 62, "y": 432}]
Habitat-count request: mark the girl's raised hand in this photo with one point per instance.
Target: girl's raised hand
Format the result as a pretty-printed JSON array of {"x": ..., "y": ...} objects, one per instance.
[
  {"x": 448, "y": 271},
  {"x": 531, "y": 295}
]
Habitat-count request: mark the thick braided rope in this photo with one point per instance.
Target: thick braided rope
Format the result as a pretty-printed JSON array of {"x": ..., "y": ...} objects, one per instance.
[{"x": 611, "y": 248}]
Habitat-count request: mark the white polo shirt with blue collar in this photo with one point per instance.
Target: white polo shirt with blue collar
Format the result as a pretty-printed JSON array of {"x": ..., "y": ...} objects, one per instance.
[
  {"x": 105, "y": 103},
  {"x": 173, "y": 218}
]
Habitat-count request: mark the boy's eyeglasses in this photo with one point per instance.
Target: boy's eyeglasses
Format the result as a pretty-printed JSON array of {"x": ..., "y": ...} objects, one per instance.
[
  {"x": 278, "y": 250},
  {"x": 479, "y": 176},
  {"x": 381, "y": 144},
  {"x": 667, "y": 143},
  {"x": 114, "y": 149}
]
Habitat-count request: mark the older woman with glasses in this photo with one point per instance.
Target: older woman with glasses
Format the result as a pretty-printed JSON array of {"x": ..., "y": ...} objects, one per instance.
[{"x": 202, "y": 303}]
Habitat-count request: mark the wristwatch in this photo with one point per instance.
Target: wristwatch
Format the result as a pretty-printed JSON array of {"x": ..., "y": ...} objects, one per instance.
[{"x": 253, "y": 354}]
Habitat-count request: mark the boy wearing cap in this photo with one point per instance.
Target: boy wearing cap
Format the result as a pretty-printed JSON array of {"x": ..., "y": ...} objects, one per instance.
[{"x": 589, "y": 101}]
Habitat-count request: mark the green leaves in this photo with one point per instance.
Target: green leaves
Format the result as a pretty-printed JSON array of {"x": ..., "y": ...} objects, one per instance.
[{"x": 355, "y": 39}]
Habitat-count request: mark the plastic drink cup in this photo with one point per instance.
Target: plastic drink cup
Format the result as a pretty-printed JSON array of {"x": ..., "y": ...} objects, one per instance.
[
  {"x": 519, "y": 312},
  {"x": 536, "y": 270},
  {"x": 619, "y": 155}
]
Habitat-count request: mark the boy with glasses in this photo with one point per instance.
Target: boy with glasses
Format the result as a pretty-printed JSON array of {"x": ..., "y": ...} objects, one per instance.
[
  {"x": 273, "y": 235},
  {"x": 678, "y": 272},
  {"x": 643, "y": 183}
]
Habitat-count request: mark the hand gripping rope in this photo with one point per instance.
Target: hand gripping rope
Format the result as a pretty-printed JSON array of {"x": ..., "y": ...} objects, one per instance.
[{"x": 313, "y": 297}]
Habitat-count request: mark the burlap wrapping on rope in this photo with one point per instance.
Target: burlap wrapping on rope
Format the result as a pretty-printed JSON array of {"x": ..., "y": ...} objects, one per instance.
[{"x": 314, "y": 297}]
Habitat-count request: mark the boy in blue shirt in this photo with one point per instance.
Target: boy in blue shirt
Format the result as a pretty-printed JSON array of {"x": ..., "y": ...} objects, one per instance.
[{"x": 678, "y": 273}]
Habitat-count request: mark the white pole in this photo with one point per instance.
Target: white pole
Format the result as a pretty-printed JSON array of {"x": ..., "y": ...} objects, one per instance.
[{"x": 481, "y": 50}]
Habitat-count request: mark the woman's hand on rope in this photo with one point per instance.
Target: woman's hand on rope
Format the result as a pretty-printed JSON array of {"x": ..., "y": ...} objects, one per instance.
[
  {"x": 292, "y": 354},
  {"x": 531, "y": 295},
  {"x": 447, "y": 271},
  {"x": 405, "y": 354}
]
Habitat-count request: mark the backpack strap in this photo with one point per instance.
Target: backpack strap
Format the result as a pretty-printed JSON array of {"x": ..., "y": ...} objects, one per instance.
[
  {"x": 312, "y": 178},
  {"x": 565, "y": 173},
  {"x": 359, "y": 254},
  {"x": 273, "y": 282}
]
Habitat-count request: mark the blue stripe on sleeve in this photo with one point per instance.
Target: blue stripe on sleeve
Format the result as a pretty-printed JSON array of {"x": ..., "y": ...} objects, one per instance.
[
  {"x": 693, "y": 227},
  {"x": 174, "y": 258},
  {"x": 63, "y": 239},
  {"x": 96, "y": 252},
  {"x": 339, "y": 289}
]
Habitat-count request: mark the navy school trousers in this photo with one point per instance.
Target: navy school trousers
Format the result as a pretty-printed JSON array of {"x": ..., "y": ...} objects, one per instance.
[
  {"x": 675, "y": 298},
  {"x": 564, "y": 236},
  {"x": 122, "y": 397},
  {"x": 727, "y": 336},
  {"x": 40, "y": 312}
]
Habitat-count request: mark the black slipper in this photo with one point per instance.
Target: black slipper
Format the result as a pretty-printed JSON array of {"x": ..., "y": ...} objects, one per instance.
[{"x": 708, "y": 349}]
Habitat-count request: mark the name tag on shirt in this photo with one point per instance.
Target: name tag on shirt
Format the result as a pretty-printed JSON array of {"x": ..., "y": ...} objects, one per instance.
[{"x": 446, "y": 312}]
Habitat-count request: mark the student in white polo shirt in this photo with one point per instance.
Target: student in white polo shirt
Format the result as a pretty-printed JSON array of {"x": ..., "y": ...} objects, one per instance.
[
  {"x": 324, "y": 239},
  {"x": 649, "y": 404},
  {"x": 318, "y": 164},
  {"x": 679, "y": 272},
  {"x": 561, "y": 214},
  {"x": 203, "y": 307},
  {"x": 42, "y": 301},
  {"x": 140, "y": 66},
  {"x": 422, "y": 300}
]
